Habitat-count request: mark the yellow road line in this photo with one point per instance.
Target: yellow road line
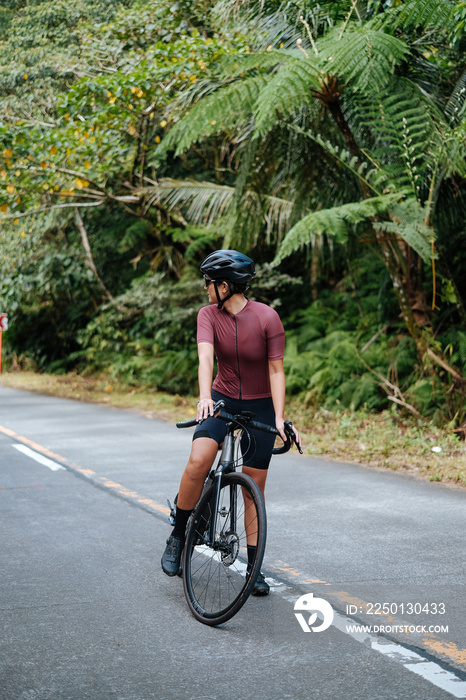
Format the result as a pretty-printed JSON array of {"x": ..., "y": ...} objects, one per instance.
[
  {"x": 430, "y": 641},
  {"x": 89, "y": 475}
]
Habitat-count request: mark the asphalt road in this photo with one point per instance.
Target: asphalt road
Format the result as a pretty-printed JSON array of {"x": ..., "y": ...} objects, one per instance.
[{"x": 86, "y": 611}]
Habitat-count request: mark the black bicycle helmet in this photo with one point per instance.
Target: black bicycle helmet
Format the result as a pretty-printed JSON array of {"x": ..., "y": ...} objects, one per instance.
[{"x": 230, "y": 266}]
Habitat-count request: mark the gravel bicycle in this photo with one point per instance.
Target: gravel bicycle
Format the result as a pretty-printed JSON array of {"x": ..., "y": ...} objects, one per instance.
[{"x": 230, "y": 514}]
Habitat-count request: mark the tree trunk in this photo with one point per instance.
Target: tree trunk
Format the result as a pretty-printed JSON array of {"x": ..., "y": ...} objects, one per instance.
[{"x": 89, "y": 257}]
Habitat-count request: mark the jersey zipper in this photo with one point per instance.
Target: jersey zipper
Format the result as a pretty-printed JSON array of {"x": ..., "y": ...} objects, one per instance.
[{"x": 237, "y": 357}]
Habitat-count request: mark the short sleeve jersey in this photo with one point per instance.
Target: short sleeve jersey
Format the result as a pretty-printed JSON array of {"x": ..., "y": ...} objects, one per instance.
[{"x": 243, "y": 345}]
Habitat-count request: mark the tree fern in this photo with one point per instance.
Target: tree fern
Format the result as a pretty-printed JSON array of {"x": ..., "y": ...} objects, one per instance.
[
  {"x": 364, "y": 57},
  {"x": 334, "y": 222}
]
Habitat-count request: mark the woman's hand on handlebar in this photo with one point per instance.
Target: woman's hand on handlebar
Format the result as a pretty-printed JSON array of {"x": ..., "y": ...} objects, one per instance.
[
  {"x": 280, "y": 425},
  {"x": 205, "y": 408}
]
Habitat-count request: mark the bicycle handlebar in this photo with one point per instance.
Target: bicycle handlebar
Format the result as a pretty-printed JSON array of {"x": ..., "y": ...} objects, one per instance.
[{"x": 245, "y": 421}]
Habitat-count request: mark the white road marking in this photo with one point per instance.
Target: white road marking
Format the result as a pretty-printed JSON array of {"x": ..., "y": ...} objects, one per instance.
[
  {"x": 50, "y": 464},
  {"x": 240, "y": 566},
  {"x": 416, "y": 663}
]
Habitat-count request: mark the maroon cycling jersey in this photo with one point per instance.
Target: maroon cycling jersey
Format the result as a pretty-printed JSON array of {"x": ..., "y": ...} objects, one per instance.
[{"x": 243, "y": 345}]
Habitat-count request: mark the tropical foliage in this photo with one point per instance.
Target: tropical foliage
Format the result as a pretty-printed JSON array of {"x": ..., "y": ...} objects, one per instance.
[{"x": 329, "y": 138}]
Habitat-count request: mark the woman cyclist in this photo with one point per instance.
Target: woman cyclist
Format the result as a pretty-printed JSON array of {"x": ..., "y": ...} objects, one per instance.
[{"x": 248, "y": 340}]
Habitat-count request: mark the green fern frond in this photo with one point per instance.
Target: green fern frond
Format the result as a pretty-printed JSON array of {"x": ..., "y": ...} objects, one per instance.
[
  {"x": 374, "y": 178},
  {"x": 421, "y": 14},
  {"x": 364, "y": 57},
  {"x": 228, "y": 108},
  {"x": 408, "y": 222},
  {"x": 334, "y": 222},
  {"x": 286, "y": 92},
  {"x": 203, "y": 203},
  {"x": 403, "y": 125},
  {"x": 221, "y": 101}
]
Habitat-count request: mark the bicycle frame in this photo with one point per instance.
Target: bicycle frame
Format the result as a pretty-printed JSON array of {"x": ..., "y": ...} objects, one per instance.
[{"x": 225, "y": 465}]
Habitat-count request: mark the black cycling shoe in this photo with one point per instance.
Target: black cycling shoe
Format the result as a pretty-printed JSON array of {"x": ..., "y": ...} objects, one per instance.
[
  {"x": 261, "y": 587},
  {"x": 171, "y": 558}
]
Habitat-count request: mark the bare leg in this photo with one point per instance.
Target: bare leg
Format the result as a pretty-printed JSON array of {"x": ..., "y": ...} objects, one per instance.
[
  {"x": 201, "y": 459},
  {"x": 260, "y": 477},
  {"x": 203, "y": 453}
]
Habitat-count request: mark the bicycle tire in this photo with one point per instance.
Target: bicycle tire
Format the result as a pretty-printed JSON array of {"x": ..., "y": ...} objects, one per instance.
[{"x": 215, "y": 580}]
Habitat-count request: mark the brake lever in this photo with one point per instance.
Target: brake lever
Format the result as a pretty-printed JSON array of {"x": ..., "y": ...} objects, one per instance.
[
  {"x": 217, "y": 408},
  {"x": 290, "y": 432}
]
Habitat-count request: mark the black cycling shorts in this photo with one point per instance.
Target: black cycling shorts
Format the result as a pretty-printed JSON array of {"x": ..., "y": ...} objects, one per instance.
[{"x": 257, "y": 448}]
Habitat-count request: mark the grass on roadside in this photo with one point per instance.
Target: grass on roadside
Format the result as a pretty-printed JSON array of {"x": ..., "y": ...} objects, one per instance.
[{"x": 386, "y": 440}]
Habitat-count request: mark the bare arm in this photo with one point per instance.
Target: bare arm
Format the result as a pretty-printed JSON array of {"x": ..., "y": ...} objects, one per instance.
[
  {"x": 205, "y": 407},
  {"x": 277, "y": 387}
]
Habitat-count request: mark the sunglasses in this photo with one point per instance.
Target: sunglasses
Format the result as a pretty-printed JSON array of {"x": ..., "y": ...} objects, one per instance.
[{"x": 207, "y": 280}]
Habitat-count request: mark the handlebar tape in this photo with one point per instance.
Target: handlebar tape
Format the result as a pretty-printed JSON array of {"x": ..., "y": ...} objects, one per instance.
[
  {"x": 228, "y": 417},
  {"x": 187, "y": 423}
]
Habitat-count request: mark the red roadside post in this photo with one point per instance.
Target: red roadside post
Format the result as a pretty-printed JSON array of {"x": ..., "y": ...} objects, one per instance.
[{"x": 3, "y": 327}]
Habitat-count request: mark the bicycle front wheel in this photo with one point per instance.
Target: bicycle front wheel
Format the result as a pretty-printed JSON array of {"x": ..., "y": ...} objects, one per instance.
[{"x": 216, "y": 578}]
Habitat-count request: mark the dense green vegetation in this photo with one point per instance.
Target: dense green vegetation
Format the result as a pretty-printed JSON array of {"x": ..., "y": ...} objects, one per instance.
[{"x": 327, "y": 140}]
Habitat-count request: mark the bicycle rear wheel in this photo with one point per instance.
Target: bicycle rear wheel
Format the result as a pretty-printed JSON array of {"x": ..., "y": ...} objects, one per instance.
[{"x": 215, "y": 577}]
